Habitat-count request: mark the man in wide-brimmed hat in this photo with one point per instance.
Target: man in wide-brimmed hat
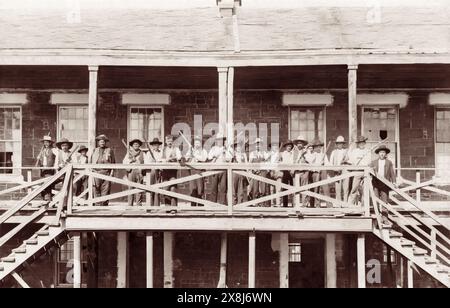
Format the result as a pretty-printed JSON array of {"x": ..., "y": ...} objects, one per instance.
[
  {"x": 153, "y": 175},
  {"x": 360, "y": 156},
  {"x": 240, "y": 182},
  {"x": 197, "y": 154},
  {"x": 101, "y": 155},
  {"x": 338, "y": 158},
  {"x": 258, "y": 155},
  {"x": 135, "y": 156},
  {"x": 383, "y": 168},
  {"x": 64, "y": 155},
  {"x": 46, "y": 159},
  {"x": 171, "y": 154},
  {"x": 220, "y": 153}
]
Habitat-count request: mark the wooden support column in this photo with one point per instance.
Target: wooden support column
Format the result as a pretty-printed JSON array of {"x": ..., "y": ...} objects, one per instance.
[
  {"x": 77, "y": 260},
  {"x": 410, "y": 279},
  {"x": 223, "y": 261},
  {"x": 331, "y": 267},
  {"x": 230, "y": 105},
  {"x": 122, "y": 259},
  {"x": 168, "y": 259},
  {"x": 92, "y": 109},
  {"x": 251, "y": 260},
  {"x": 223, "y": 99},
  {"x": 149, "y": 263},
  {"x": 284, "y": 260},
  {"x": 361, "y": 260},
  {"x": 352, "y": 104}
]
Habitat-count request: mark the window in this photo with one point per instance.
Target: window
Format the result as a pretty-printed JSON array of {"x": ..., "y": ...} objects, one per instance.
[
  {"x": 308, "y": 122},
  {"x": 392, "y": 256},
  {"x": 65, "y": 263},
  {"x": 10, "y": 139},
  {"x": 145, "y": 123},
  {"x": 295, "y": 252},
  {"x": 73, "y": 124},
  {"x": 443, "y": 142}
]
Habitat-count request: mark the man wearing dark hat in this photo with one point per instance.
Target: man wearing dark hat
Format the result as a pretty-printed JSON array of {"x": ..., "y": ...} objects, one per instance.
[
  {"x": 154, "y": 155},
  {"x": 287, "y": 157},
  {"x": 64, "y": 155},
  {"x": 360, "y": 156},
  {"x": 171, "y": 154},
  {"x": 82, "y": 159},
  {"x": 383, "y": 168},
  {"x": 134, "y": 157},
  {"x": 301, "y": 157},
  {"x": 102, "y": 154},
  {"x": 259, "y": 188},
  {"x": 197, "y": 154},
  {"x": 240, "y": 183},
  {"x": 46, "y": 159}
]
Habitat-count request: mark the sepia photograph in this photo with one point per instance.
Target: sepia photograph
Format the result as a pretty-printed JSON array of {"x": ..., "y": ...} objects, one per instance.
[{"x": 224, "y": 149}]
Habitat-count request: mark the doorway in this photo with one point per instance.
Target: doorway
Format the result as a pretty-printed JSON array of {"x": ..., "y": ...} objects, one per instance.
[
  {"x": 380, "y": 123},
  {"x": 306, "y": 263}
]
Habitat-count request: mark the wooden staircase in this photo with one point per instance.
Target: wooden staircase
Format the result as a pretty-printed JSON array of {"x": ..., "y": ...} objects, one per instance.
[
  {"x": 42, "y": 239},
  {"x": 429, "y": 247}
]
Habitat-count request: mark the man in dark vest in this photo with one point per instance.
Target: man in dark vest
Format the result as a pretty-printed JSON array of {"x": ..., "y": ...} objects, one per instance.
[
  {"x": 46, "y": 159},
  {"x": 102, "y": 155},
  {"x": 383, "y": 168},
  {"x": 135, "y": 156}
]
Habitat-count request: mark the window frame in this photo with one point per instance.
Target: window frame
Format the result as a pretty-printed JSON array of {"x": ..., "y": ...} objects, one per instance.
[
  {"x": 16, "y": 174},
  {"x": 145, "y": 107},
  {"x": 322, "y": 108},
  {"x": 58, "y": 121},
  {"x": 436, "y": 109}
]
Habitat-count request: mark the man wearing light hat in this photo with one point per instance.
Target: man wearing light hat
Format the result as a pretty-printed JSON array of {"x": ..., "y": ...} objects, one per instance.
[
  {"x": 171, "y": 154},
  {"x": 154, "y": 155},
  {"x": 101, "y": 155},
  {"x": 320, "y": 159},
  {"x": 360, "y": 156},
  {"x": 383, "y": 168},
  {"x": 258, "y": 188},
  {"x": 337, "y": 158},
  {"x": 64, "y": 155},
  {"x": 219, "y": 153},
  {"x": 135, "y": 156},
  {"x": 302, "y": 157},
  {"x": 197, "y": 154},
  {"x": 46, "y": 159},
  {"x": 82, "y": 159}
]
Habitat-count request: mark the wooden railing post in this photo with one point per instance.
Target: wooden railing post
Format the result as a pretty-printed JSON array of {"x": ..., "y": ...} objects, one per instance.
[
  {"x": 277, "y": 191},
  {"x": 366, "y": 193},
  {"x": 91, "y": 190},
  {"x": 148, "y": 196},
  {"x": 69, "y": 199},
  {"x": 418, "y": 191},
  {"x": 29, "y": 180},
  {"x": 297, "y": 197},
  {"x": 230, "y": 190}
]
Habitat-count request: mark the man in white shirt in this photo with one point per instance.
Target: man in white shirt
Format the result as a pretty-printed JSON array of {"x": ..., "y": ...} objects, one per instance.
[
  {"x": 171, "y": 154},
  {"x": 358, "y": 157},
  {"x": 82, "y": 183},
  {"x": 134, "y": 156},
  {"x": 46, "y": 160},
  {"x": 259, "y": 188},
  {"x": 301, "y": 144},
  {"x": 219, "y": 153},
  {"x": 63, "y": 155},
  {"x": 197, "y": 154},
  {"x": 154, "y": 155},
  {"x": 337, "y": 158},
  {"x": 320, "y": 159},
  {"x": 240, "y": 183}
]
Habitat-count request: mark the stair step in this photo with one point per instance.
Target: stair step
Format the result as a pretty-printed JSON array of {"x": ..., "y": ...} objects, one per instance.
[
  {"x": 2, "y": 268},
  {"x": 442, "y": 270},
  {"x": 407, "y": 243},
  {"x": 43, "y": 233},
  {"x": 9, "y": 259},
  {"x": 395, "y": 234},
  {"x": 419, "y": 251},
  {"x": 33, "y": 241},
  {"x": 431, "y": 261},
  {"x": 20, "y": 250}
]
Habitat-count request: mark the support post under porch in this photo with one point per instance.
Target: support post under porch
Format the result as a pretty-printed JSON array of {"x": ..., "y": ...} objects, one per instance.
[
  {"x": 352, "y": 103},
  {"x": 330, "y": 255},
  {"x": 361, "y": 260},
  {"x": 122, "y": 259}
]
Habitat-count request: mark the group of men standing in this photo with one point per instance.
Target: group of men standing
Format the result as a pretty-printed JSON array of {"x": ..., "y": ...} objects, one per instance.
[{"x": 307, "y": 155}]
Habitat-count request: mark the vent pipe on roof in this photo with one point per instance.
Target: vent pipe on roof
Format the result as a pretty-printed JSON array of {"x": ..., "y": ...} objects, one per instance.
[{"x": 228, "y": 7}]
